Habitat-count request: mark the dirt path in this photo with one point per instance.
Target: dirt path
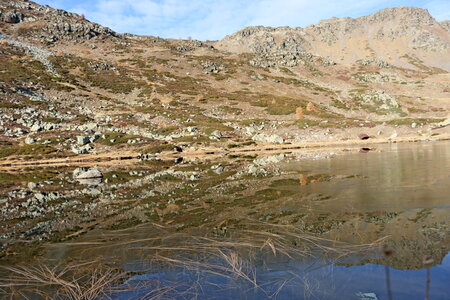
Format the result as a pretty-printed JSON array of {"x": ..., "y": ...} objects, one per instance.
[{"x": 14, "y": 163}]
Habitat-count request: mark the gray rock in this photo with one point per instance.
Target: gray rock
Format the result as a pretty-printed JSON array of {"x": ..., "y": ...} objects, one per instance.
[
  {"x": 191, "y": 129},
  {"x": 269, "y": 160},
  {"x": 83, "y": 140},
  {"x": 94, "y": 138},
  {"x": 91, "y": 126},
  {"x": 249, "y": 131},
  {"x": 89, "y": 174},
  {"x": 217, "y": 134},
  {"x": 36, "y": 128},
  {"x": 79, "y": 171},
  {"x": 29, "y": 140},
  {"x": 194, "y": 177},
  {"x": 212, "y": 67},
  {"x": 48, "y": 126},
  {"x": 39, "y": 196},
  {"x": 393, "y": 135},
  {"x": 218, "y": 169},
  {"x": 92, "y": 181},
  {"x": 81, "y": 150},
  {"x": 32, "y": 185},
  {"x": 261, "y": 137},
  {"x": 13, "y": 17}
]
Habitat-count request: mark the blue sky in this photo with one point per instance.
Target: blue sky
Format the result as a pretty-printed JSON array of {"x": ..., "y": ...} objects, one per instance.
[{"x": 213, "y": 19}]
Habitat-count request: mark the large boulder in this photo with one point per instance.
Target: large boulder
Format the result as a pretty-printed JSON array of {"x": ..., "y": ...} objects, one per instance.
[
  {"x": 261, "y": 137},
  {"x": 81, "y": 150},
  {"x": 83, "y": 140},
  {"x": 82, "y": 173}
]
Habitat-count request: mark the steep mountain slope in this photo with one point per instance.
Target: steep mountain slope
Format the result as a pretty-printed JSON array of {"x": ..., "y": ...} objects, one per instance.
[{"x": 402, "y": 36}]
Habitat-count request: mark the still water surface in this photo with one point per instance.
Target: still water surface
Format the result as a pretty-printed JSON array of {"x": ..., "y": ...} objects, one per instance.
[{"x": 260, "y": 228}]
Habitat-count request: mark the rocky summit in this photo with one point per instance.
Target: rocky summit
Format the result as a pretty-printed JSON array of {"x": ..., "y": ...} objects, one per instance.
[
  {"x": 70, "y": 87},
  {"x": 393, "y": 35}
]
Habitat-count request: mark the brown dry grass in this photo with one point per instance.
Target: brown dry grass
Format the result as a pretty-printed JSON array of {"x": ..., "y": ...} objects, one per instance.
[
  {"x": 87, "y": 281},
  {"x": 234, "y": 258}
]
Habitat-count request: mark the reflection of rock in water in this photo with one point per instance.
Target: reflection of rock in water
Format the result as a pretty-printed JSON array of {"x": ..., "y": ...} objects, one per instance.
[
  {"x": 90, "y": 181},
  {"x": 87, "y": 174},
  {"x": 409, "y": 254},
  {"x": 303, "y": 179}
]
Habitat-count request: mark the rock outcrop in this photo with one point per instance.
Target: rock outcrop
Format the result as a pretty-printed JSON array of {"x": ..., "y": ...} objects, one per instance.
[{"x": 48, "y": 25}]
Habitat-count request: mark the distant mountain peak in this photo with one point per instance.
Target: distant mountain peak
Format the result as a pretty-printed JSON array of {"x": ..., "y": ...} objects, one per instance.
[{"x": 386, "y": 35}]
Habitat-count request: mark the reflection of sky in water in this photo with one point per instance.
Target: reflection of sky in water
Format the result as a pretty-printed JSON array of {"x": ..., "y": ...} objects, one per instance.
[{"x": 291, "y": 281}]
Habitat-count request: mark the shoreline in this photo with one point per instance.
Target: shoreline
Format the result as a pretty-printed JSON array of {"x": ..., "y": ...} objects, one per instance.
[{"x": 108, "y": 158}]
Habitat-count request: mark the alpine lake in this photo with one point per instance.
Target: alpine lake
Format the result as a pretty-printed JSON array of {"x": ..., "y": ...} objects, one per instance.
[{"x": 342, "y": 223}]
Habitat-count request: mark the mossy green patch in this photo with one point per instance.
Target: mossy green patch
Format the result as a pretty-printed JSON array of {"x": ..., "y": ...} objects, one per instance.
[{"x": 26, "y": 150}]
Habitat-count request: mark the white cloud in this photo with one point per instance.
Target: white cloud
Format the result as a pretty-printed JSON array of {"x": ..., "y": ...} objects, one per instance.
[{"x": 213, "y": 19}]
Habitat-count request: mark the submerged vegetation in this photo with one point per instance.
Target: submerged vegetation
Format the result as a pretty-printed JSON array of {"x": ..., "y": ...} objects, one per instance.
[{"x": 233, "y": 258}]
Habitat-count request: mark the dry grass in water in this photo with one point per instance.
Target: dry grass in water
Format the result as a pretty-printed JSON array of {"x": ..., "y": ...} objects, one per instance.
[
  {"x": 233, "y": 257},
  {"x": 78, "y": 281}
]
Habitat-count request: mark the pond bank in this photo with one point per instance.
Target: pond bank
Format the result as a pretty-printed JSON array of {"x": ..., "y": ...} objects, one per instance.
[{"x": 15, "y": 163}]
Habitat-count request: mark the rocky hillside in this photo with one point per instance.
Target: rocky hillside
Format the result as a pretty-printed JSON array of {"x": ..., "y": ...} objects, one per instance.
[
  {"x": 402, "y": 36},
  {"x": 69, "y": 86},
  {"x": 73, "y": 92}
]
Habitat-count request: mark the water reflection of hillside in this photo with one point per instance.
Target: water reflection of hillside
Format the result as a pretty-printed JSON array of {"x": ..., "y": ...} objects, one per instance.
[
  {"x": 396, "y": 191},
  {"x": 294, "y": 203}
]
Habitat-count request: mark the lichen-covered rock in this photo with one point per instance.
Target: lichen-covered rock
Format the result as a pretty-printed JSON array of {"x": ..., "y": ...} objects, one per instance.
[
  {"x": 212, "y": 67},
  {"x": 378, "y": 101},
  {"x": 13, "y": 17}
]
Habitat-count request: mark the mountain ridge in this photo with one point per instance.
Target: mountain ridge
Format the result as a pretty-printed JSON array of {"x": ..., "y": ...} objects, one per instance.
[{"x": 385, "y": 35}]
